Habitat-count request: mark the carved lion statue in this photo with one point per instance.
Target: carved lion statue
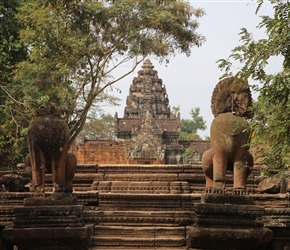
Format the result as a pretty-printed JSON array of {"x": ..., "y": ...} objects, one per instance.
[
  {"x": 48, "y": 143},
  {"x": 231, "y": 104}
]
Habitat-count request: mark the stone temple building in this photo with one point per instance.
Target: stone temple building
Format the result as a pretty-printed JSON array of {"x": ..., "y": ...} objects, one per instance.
[
  {"x": 148, "y": 132},
  {"x": 148, "y": 123}
]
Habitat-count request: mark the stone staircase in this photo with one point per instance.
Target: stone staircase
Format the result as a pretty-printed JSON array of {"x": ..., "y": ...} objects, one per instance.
[
  {"x": 136, "y": 229},
  {"x": 183, "y": 178},
  {"x": 136, "y": 206},
  {"x": 143, "y": 206},
  {"x": 149, "y": 179},
  {"x": 140, "y": 207}
]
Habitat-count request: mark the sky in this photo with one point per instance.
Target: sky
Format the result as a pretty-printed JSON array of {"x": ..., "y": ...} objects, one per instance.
[{"x": 190, "y": 80}]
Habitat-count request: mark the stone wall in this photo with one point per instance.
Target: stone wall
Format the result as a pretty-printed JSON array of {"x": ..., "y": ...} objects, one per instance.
[
  {"x": 113, "y": 152},
  {"x": 101, "y": 153}
]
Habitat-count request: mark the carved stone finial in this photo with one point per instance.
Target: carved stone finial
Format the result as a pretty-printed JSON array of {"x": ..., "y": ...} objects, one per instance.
[{"x": 147, "y": 65}]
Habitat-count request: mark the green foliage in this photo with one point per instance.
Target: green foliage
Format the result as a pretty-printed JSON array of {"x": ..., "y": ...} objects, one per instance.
[
  {"x": 68, "y": 51},
  {"x": 102, "y": 129},
  {"x": 189, "y": 136},
  {"x": 11, "y": 47},
  {"x": 271, "y": 126},
  {"x": 75, "y": 46},
  {"x": 188, "y": 153},
  {"x": 12, "y": 113},
  {"x": 189, "y": 128}
]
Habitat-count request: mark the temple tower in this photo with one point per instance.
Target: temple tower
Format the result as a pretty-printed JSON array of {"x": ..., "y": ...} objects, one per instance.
[
  {"x": 148, "y": 123},
  {"x": 147, "y": 93}
]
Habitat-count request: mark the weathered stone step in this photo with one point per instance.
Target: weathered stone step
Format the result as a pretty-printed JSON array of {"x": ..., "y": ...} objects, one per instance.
[
  {"x": 273, "y": 200},
  {"x": 87, "y": 168},
  {"x": 136, "y": 248},
  {"x": 156, "y": 187},
  {"x": 148, "y": 177},
  {"x": 190, "y": 177},
  {"x": 147, "y": 201},
  {"x": 150, "y": 169},
  {"x": 76, "y": 188},
  {"x": 132, "y": 168},
  {"x": 139, "y": 242},
  {"x": 16, "y": 199},
  {"x": 6, "y": 215},
  {"x": 108, "y": 178},
  {"x": 139, "y": 236},
  {"x": 142, "y": 187},
  {"x": 140, "y": 218}
]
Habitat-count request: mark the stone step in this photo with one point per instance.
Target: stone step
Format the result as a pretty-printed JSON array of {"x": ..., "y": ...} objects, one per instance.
[
  {"x": 16, "y": 199},
  {"x": 142, "y": 187},
  {"x": 147, "y": 201},
  {"x": 88, "y": 175},
  {"x": 87, "y": 168},
  {"x": 139, "y": 236},
  {"x": 6, "y": 215},
  {"x": 91, "y": 169},
  {"x": 139, "y": 242},
  {"x": 139, "y": 184},
  {"x": 151, "y": 169},
  {"x": 136, "y": 248},
  {"x": 195, "y": 184},
  {"x": 140, "y": 218},
  {"x": 189, "y": 177}
]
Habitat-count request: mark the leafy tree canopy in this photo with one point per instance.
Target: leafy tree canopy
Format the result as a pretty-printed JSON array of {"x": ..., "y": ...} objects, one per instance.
[
  {"x": 75, "y": 46},
  {"x": 271, "y": 125},
  {"x": 12, "y": 122},
  {"x": 74, "y": 49},
  {"x": 98, "y": 129},
  {"x": 189, "y": 127}
]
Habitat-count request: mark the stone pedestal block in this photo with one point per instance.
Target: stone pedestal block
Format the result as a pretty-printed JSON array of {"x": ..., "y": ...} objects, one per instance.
[
  {"x": 227, "y": 238},
  {"x": 222, "y": 225},
  {"x": 49, "y": 238},
  {"x": 48, "y": 225}
]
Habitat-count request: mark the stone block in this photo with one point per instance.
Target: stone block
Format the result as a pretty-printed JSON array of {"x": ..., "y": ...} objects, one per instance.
[
  {"x": 49, "y": 238},
  {"x": 227, "y": 238},
  {"x": 161, "y": 187},
  {"x": 104, "y": 186},
  {"x": 140, "y": 187},
  {"x": 119, "y": 186}
]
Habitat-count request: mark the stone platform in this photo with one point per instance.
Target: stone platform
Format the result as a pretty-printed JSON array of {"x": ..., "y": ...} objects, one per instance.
[
  {"x": 228, "y": 221},
  {"x": 47, "y": 225},
  {"x": 136, "y": 207}
]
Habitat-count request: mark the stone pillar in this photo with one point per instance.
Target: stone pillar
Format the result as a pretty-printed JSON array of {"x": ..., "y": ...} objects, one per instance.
[
  {"x": 226, "y": 221},
  {"x": 48, "y": 224}
]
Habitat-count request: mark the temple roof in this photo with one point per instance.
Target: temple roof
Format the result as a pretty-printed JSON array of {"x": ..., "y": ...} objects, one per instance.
[
  {"x": 147, "y": 93},
  {"x": 169, "y": 125}
]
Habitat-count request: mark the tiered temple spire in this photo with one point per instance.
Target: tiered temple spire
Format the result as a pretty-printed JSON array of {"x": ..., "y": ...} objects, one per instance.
[{"x": 147, "y": 93}]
